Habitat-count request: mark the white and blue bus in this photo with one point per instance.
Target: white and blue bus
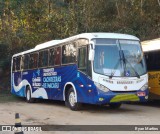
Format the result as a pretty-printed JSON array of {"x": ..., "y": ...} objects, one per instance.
[{"x": 94, "y": 68}]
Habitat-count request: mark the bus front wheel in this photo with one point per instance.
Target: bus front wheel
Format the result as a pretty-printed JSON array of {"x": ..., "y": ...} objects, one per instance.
[
  {"x": 29, "y": 99},
  {"x": 71, "y": 100}
]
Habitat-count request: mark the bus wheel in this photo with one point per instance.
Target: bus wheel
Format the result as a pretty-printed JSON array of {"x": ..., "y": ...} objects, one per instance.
[
  {"x": 71, "y": 100},
  {"x": 115, "y": 105},
  {"x": 28, "y": 96}
]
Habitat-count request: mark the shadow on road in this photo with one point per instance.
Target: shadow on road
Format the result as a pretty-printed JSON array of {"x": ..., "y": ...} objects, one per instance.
[
  {"x": 125, "y": 108},
  {"x": 151, "y": 103},
  {"x": 89, "y": 107}
]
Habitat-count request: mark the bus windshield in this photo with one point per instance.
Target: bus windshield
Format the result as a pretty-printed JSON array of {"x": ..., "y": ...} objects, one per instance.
[{"x": 115, "y": 57}]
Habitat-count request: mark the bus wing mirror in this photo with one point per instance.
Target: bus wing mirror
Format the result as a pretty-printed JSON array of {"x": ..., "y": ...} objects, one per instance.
[
  {"x": 91, "y": 45},
  {"x": 91, "y": 51},
  {"x": 91, "y": 54}
]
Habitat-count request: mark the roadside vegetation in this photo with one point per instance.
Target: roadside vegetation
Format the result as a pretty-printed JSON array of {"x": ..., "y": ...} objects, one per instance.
[{"x": 26, "y": 23}]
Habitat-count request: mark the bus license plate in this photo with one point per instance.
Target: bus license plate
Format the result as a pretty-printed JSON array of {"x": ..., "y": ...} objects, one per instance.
[{"x": 141, "y": 94}]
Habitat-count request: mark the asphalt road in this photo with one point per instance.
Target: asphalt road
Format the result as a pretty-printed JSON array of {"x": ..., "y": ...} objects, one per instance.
[{"x": 56, "y": 113}]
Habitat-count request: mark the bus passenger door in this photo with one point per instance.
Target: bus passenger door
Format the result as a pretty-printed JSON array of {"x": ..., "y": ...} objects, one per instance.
[
  {"x": 84, "y": 67},
  {"x": 82, "y": 59}
]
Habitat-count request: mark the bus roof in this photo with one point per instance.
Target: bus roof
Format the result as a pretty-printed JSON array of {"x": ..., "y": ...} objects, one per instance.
[
  {"x": 151, "y": 45},
  {"x": 83, "y": 35}
]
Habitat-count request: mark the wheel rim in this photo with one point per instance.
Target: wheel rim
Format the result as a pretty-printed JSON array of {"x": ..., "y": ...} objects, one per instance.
[
  {"x": 28, "y": 95},
  {"x": 72, "y": 99}
]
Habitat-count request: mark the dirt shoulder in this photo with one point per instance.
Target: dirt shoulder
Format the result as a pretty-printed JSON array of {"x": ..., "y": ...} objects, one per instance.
[{"x": 55, "y": 112}]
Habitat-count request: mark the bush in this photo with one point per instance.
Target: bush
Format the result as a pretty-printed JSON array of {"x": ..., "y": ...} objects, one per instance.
[{"x": 4, "y": 57}]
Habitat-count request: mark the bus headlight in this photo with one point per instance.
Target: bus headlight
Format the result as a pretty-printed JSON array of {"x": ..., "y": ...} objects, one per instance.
[
  {"x": 144, "y": 87},
  {"x": 101, "y": 87}
]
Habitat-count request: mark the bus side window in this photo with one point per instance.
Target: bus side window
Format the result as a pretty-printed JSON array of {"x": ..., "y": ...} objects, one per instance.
[
  {"x": 33, "y": 60},
  {"x": 64, "y": 54},
  {"x": 14, "y": 64},
  {"x": 73, "y": 52},
  {"x": 26, "y": 59},
  {"x": 152, "y": 57},
  {"x": 18, "y": 59},
  {"x": 58, "y": 56},
  {"x": 51, "y": 57},
  {"x": 82, "y": 59},
  {"x": 68, "y": 53},
  {"x": 45, "y": 58},
  {"x": 22, "y": 63},
  {"x": 40, "y": 59}
]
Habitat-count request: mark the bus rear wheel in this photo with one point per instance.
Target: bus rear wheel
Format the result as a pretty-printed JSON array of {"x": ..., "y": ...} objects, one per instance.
[
  {"x": 115, "y": 105},
  {"x": 29, "y": 99},
  {"x": 71, "y": 100}
]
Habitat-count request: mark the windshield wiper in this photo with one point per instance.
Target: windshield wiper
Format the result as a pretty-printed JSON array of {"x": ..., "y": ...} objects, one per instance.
[
  {"x": 115, "y": 67},
  {"x": 125, "y": 60},
  {"x": 121, "y": 59}
]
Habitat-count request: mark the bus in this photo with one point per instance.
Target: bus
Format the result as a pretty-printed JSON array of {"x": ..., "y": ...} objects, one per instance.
[
  {"x": 151, "y": 50},
  {"x": 94, "y": 68}
]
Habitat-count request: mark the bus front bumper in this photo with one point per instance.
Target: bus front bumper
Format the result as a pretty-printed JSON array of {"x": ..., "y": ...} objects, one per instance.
[{"x": 120, "y": 97}]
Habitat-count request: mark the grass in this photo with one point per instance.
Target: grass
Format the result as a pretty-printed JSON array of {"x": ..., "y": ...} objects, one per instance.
[
  {"x": 6, "y": 96},
  {"x": 5, "y": 92},
  {"x": 10, "y": 98}
]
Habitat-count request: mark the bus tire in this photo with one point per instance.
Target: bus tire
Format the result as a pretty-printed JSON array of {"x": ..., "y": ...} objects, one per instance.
[
  {"x": 29, "y": 99},
  {"x": 115, "y": 105},
  {"x": 71, "y": 100}
]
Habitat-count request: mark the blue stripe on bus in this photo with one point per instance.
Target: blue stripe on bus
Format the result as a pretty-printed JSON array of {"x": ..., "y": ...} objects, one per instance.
[{"x": 64, "y": 74}]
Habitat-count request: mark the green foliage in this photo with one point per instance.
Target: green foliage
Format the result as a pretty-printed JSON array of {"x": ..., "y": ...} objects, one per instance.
[
  {"x": 26, "y": 23},
  {"x": 4, "y": 58}
]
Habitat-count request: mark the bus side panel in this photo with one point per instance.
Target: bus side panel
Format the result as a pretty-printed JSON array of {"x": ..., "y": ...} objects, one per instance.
[
  {"x": 70, "y": 74},
  {"x": 17, "y": 86},
  {"x": 64, "y": 74},
  {"x": 154, "y": 84},
  {"x": 31, "y": 78},
  {"x": 86, "y": 90},
  {"x": 48, "y": 83}
]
